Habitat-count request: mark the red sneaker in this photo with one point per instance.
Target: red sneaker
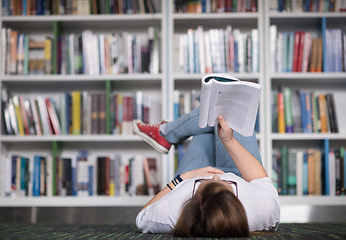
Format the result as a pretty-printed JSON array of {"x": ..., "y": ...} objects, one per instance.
[{"x": 151, "y": 134}]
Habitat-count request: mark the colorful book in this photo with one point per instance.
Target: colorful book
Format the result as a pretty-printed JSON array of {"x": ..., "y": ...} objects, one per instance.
[
  {"x": 287, "y": 92},
  {"x": 281, "y": 111},
  {"x": 323, "y": 112},
  {"x": 284, "y": 170},
  {"x": 305, "y": 174},
  {"x": 76, "y": 112},
  {"x": 292, "y": 172}
]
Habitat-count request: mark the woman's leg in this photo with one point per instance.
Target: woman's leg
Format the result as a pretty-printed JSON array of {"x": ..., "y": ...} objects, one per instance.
[
  {"x": 184, "y": 127},
  {"x": 161, "y": 136},
  {"x": 199, "y": 153},
  {"x": 224, "y": 161}
]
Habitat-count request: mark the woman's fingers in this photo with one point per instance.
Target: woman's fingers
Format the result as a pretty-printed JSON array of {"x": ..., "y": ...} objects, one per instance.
[
  {"x": 222, "y": 122},
  {"x": 214, "y": 170}
]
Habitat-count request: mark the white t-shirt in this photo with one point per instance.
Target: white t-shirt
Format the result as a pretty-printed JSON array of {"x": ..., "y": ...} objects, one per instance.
[{"x": 259, "y": 198}]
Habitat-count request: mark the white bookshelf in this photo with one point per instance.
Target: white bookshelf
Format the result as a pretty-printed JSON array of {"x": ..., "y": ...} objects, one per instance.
[
  {"x": 334, "y": 82},
  {"x": 152, "y": 85},
  {"x": 240, "y": 20},
  {"x": 72, "y": 201},
  {"x": 312, "y": 200},
  {"x": 163, "y": 85}
]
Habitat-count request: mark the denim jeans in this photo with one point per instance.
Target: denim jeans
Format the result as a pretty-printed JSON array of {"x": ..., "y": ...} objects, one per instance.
[{"x": 205, "y": 148}]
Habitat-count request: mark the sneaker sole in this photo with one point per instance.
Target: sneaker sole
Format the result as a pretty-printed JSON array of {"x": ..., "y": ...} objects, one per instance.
[{"x": 148, "y": 139}]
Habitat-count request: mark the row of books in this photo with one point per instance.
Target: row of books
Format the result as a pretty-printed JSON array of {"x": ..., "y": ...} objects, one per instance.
[
  {"x": 80, "y": 175},
  {"x": 308, "y": 5},
  {"x": 87, "y": 53},
  {"x": 310, "y": 171},
  {"x": 217, "y": 50},
  {"x": 78, "y": 7},
  {"x": 296, "y": 111},
  {"x": 299, "y": 52},
  {"x": 211, "y": 6},
  {"x": 185, "y": 102},
  {"x": 75, "y": 113}
]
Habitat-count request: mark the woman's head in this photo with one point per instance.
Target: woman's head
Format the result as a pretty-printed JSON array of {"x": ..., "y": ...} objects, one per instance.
[{"x": 214, "y": 211}]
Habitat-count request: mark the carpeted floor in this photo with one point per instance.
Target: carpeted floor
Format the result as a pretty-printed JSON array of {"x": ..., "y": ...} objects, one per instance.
[{"x": 51, "y": 231}]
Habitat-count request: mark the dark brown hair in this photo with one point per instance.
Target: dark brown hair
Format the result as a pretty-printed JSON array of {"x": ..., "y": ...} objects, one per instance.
[{"x": 214, "y": 211}]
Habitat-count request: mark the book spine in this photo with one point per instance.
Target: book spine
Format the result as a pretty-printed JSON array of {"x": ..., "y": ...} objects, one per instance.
[
  {"x": 281, "y": 112},
  {"x": 284, "y": 170},
  {"x": 323, "y": 112},
  {"x": 311, "y": 172},
  {"x": 326, "y": 167},
  {"x": 292, "y": 172},
  {"x": 305, "y": 174},
  {"x": 76, "y": 112},
  {"x": 288, "y": 109}
]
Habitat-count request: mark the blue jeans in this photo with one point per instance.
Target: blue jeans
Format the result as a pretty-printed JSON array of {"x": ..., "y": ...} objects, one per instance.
[{"x": 205, "y": 148}]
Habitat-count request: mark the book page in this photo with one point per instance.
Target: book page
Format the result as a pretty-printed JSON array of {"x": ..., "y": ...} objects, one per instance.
[
  {"x": 204, "y": 104},
  {"x": 206, "y": 94},
  {"x": 238, "y": 103}
]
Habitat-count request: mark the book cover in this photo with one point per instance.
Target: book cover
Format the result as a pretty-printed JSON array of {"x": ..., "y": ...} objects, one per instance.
[
  {"x": 304, "y": 113},
  {"x": 101, "y": 176},
  {"x": 314, "y": 56},
  {"x": 281, "y": 111},
  {"x": 74, "y": 176},
  {"x": 332, "y": 173},
  {"x": 306, "y": 52},
  {"x": 41, "y": 106},
  {"x": 323, "y": 112},
  {"x": 311, "y": 172},
  {"x": 54, "y": 120},
  {"x": 296, "y": 112},
  {"x": 82, "y": 174},
  {"x": 287, "y": 92},
  {"x": 76, "y": 112},
  {"x": 276, "y": 170},
  {"x": 331, "y": 112},
  {"x": 237, "y": 101},
  {"x": 284, "y": 169},
  {"x": 13, "y": 51},
  {"x": 67, "y": 176},
  {"x": 296, "y": 50},
  {"x": 112, "y": 177},
  {"x": 91, "y": 176},
  {"x": 318, "y": 171},
  {"x": 305, "y": 174},
  {"x": 18, "y": 115},
  {"x": 343, "y": 170},
  {"x": 43, "y": 176},
  {"x": 308, "y": 113},
  {"x": 7, "y": 176},
  {"x": 95, "y": 113},
  {"x": 299, "y": 172},
  {"x": 292, "y": 172},
  {"x": 36, "y": 176},
  {"x": 30, "y": 116},
  {"x": 24, "y": 115},
  {"x": 300, "y": 51},
  {"x": 319, "y": 55},
  {"x": 337, "y": 171}
]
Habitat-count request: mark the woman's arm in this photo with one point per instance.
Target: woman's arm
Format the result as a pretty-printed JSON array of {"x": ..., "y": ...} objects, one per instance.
[
  {"x": 201, "y": 172},
  {"x": 249, "y": 167}
]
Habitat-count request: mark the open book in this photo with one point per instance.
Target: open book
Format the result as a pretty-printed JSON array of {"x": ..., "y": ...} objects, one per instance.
[{"x": 237, "y": 101}]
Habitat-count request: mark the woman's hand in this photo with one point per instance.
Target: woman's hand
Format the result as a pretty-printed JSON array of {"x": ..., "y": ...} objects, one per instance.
[
  {"x": 224, "y": 132},
  {"x": 201, "y": 172}
]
